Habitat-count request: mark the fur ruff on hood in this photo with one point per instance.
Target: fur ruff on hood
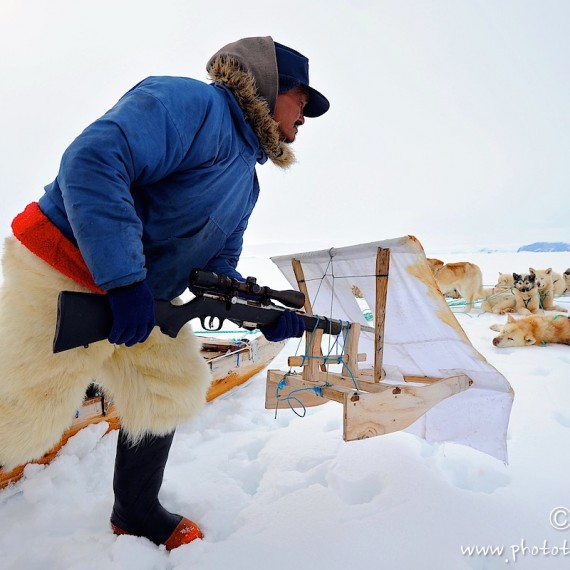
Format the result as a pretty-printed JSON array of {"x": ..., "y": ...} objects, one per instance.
[{"x": 227, "y": 71}]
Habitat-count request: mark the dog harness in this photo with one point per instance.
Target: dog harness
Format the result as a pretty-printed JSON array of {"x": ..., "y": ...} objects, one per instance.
[{"x": 38, "y": 234}]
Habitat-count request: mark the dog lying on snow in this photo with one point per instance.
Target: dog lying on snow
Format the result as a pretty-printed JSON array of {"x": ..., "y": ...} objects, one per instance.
[
  {"x": 500, "y": 294},
  {"x": 522, "y": 297},
  {"x": 503, "y": 297},
  {"x": 533, "y": 330},
  {"x": 462, "y": 277}
]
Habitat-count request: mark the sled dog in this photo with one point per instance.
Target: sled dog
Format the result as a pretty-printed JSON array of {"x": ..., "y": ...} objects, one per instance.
[
  {"x": 526, "y": 294},
  {"x": 532, "y": 330},
  {"x": 558, "y": 284},
  {"x": 501, "y": 294},
  {"x": 522, "y": 298},
  {"x": 566, "y": 277},
  {"x": 545, "y": 285},
  {"x": 464, "y": 277},
  {"x": 505, "y": 281}
]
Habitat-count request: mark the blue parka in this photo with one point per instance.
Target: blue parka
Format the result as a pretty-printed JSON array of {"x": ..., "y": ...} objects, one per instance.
[{"x": 163, "y": 183}]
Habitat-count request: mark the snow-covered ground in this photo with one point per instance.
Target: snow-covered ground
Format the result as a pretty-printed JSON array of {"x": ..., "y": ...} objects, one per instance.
[{"x": 286, "y": 492}]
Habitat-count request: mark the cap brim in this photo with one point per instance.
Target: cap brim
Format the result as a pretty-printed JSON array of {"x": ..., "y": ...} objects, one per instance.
[{"x": 318, "y": 104}]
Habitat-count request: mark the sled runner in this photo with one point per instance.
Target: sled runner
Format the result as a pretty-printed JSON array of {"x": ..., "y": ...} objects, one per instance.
[
  {"x": 232, "y": 363},
  {"x": 402, "y": 360}
]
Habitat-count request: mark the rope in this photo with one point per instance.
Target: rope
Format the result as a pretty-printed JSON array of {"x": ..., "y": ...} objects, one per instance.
[
  {"x": 311, "y": 339},
  {"x": 292, "y": 397},
  {"x": 318, "y": 390}
]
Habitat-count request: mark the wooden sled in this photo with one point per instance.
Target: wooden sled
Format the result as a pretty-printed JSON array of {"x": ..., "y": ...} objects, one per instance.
[
  {"x": 376, "y": 400},
  {"x": 232, "y": 363}
]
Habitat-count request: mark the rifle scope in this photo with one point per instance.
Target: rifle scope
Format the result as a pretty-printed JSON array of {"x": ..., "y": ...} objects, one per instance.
[{"x": 208, "y": 280}]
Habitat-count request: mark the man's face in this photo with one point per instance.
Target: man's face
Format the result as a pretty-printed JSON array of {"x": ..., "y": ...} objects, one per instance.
[{"x": 289, "y": 112}]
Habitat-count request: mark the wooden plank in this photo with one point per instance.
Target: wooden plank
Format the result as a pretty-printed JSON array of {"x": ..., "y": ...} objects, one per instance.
[
  {"x": 335, "y": 392},
  {"x": 313, "y": 365},
  {"x": 274, "y": 398},
  {"x": 298, "y": 360},
  {"x": 351, "y": 351},
  {"x": 382, "y": 270},
  {"x": 388, "y": 374},
  {"x": 363, "y": 384},
  {"x": 332, "y": 386},
  {"x": 300, "y": 277},
  {"x": 396, "y": 409},
  {"x": 421, "y": 379},
  {"x": 302, "y": 284}
]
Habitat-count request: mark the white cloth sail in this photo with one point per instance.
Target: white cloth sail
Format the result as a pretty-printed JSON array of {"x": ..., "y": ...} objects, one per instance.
[{"x": 422, "y": 337}]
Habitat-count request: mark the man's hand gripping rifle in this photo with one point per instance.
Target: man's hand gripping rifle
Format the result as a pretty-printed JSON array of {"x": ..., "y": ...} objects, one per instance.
[{"x": 83, "y": 318}]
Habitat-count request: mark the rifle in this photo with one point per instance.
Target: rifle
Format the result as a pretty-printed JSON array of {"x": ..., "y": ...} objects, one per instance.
[{"x": 83, "y": 318}]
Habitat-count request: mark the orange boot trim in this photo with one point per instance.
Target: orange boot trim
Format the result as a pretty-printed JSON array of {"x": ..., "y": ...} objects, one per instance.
[{"x": 185, "y": 532}]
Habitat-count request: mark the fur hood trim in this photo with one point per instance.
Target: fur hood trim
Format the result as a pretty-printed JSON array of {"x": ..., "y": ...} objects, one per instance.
[{"x": 226, "y": 70}]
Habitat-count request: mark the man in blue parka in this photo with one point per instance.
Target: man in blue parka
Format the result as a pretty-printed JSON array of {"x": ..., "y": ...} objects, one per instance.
[{"x": 163, "y": 183}]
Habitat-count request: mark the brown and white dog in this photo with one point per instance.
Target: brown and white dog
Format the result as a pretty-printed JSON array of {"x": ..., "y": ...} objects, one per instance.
[
  {"x": 566, "y": 277},
  {"x": 464, "y": 277},
  {"x": 500, "y": 298},
  {"x": 505, "y": 281},
  {"x": 533, "y": 330},
  {"x": 545, "y": 280},
  {"x": 559, "y": 284},
  {"x": 523, "y": 297}
]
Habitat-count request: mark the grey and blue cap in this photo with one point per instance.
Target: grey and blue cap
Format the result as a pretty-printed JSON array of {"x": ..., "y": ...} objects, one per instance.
[
  {"x": 293, "y": 69},
  {"x": 275, "y": 68}
]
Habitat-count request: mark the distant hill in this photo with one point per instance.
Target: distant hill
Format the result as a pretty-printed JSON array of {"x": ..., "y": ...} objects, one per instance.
[{"x": 546, "y": 246}]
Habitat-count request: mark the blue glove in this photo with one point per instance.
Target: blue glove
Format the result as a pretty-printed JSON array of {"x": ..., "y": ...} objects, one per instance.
[
  {"x": 289, "y": 325},
  {"x": 133, "y": 313}
]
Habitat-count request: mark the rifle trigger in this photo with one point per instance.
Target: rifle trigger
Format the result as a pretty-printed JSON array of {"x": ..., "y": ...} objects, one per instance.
[{"x": 212, "y": 323}]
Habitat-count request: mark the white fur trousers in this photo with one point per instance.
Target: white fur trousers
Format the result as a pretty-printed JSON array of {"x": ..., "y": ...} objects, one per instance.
[{"x": 155, "y": 386}]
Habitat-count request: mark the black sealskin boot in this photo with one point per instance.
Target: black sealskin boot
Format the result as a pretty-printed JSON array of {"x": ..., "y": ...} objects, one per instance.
[{"x": 138, "y": 477}]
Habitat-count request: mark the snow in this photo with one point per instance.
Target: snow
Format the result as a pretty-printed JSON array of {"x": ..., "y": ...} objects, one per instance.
[{"x": 286, "y": 491}]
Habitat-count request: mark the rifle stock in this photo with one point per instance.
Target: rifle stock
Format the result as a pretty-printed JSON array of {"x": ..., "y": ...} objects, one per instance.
[{"x": 84, "y": 318}]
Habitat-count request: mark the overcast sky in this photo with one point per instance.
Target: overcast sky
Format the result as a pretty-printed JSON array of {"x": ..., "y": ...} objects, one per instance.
[{"x": 449, "y": 119}]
